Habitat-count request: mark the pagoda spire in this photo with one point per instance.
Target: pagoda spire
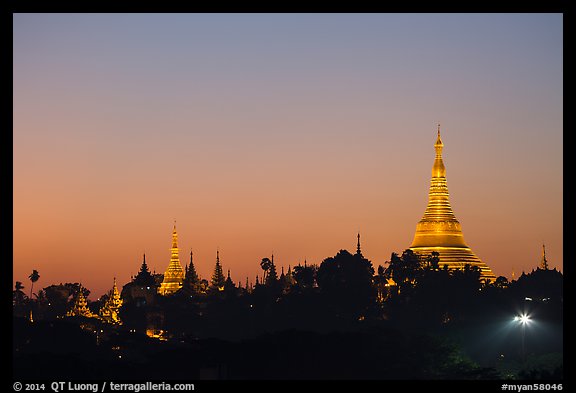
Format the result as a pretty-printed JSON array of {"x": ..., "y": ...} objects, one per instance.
[
  {"x": 144, "y": 266},
  {"x": 218, "y": 280},
  {"x": 358, "y": 251},
  {"x": 439, "y": 230},
  {"x": 174, "y": 237},
  {"x": 174, "y": 275},
  {"x": 109, "y": 312},
  {"x": 144, "y": 278},
  {"x": 191, "y": 274},
  {"x": 544, "y": 261}
]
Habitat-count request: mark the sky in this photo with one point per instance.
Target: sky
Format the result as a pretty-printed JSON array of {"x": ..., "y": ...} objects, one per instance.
[{"x": 282, "y": 134}]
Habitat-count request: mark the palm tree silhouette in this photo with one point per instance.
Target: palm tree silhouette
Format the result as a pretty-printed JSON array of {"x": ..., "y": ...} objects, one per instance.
[
  {"x": 265, "y": 265},
  {"x": 33, "y": 278}
]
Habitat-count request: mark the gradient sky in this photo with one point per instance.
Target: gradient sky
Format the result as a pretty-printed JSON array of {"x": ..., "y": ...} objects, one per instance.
[{"x": 279, "y": 133}]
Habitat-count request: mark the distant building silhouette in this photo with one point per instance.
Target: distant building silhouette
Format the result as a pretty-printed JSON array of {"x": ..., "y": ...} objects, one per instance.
[
  {"x": 544, "y": 261},
  {"x": 142, "y": 289},
  {"x": 218, "y": 280},
  {"x": 358, "y": 250},
  {"x": 439, "y": 230}
]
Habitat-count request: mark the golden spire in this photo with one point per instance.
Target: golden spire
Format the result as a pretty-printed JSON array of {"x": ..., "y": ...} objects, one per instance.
[
  {"x": 544, "y": 261},
  {"x": 174, "y": 237},
  {"x": 439, "y": 225},
  {"x": 109, "y": 312},
  {"x": 439, "y": 230},
  {"x": 438, "y": 169},
  {"x": 174, "y": 275}
]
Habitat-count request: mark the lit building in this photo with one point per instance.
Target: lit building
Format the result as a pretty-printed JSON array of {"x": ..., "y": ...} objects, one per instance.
[
  {"x": 174, "y": 275},
  {"x": 80, "y": 307},
  {"x": 111, "y": 308},
  {"x": 439, "y": 230}
]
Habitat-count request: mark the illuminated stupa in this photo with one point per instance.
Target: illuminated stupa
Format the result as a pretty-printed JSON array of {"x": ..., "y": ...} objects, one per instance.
[
  {"x": 174, "y": 275},
  {"x": 80, "y": 307},
  {"x": 110, "y": 311},
  {"x": 439, "y": 230}
]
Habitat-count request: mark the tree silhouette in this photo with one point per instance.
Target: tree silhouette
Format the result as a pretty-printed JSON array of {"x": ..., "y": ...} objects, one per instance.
[
  {"x": 305, "y": 276},
  {"x": 433, "y": 260},
  {"x": 41, "y": 297},
  {"x": 404, "y": 270},
  {"x": 265, "y": 264},
  {"x": 272, "y": 276},
  {"x": 61, "y": 295},
  {"x": 501, "y": 282},
  {"x": 18, "y": 296},
  {"x": 346, "y": 280},
  {"x": 380, "y": 282},
  {"x": 34, "y": 276}
]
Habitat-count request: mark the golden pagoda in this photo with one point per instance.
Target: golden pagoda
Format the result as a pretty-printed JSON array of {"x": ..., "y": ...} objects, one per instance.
[
  {"x": 439, "y": 230},
  {"x": 111, "y": 309},
  {"x": 80, "y": 307},
  {"x": 174, "y": 275}
]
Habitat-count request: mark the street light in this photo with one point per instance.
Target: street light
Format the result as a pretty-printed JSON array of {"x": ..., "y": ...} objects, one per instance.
[{"x": 523, "y": 320}]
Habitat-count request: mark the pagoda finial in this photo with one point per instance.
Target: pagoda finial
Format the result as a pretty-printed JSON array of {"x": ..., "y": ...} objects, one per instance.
[
  {"x": 217, "y": 255},
  {"x": 174, "y": 236},
  {"x": 438, "y": 140},
  {"x": 438, "y": 169},
  {"x": 358, "y": 252},
  {"x": 544, "y": 262}
]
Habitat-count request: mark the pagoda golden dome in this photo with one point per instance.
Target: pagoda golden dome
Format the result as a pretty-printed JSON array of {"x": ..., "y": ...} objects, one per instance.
[{"x": 439, "y": 230}]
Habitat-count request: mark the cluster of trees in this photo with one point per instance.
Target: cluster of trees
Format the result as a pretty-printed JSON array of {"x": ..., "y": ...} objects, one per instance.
[
  {"x": 407, "y": 286},
  {"x": 410, "y": 294}
]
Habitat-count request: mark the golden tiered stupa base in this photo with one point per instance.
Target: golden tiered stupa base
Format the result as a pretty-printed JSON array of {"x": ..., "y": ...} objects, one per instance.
[{"x": 457, "y": 258}]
